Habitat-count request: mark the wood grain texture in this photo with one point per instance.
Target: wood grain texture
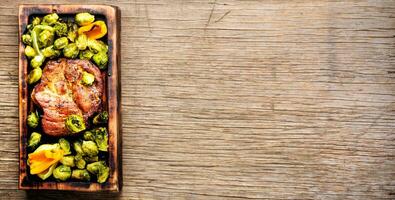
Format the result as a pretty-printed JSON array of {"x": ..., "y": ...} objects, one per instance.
[{"x": 241, "y": 99}]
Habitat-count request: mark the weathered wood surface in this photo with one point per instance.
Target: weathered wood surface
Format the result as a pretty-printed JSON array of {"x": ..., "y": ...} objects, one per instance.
[{"x": 241, "y": 99}]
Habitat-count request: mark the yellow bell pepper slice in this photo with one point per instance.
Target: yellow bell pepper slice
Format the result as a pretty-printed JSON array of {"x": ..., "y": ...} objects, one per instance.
[
  {"x": 44, "y": 157},
  {"x": 47, "y": 173},
  {"x": 95, "y": 30}
]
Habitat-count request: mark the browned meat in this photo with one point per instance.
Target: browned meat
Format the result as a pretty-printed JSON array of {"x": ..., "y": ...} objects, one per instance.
[{"x": 61, "y": 93}]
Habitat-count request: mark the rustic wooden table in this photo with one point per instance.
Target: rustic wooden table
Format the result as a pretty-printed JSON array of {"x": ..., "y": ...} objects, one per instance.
[{"x": 240, "y": 99}]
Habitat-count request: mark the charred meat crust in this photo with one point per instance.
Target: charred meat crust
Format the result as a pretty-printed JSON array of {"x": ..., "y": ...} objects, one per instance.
[{"x": 61, "y": 93}]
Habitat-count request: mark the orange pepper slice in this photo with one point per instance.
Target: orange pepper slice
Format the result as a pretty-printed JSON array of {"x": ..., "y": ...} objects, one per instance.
[
  {"x": 42, "y": 160},
  {"x": 95, "y": 30}
]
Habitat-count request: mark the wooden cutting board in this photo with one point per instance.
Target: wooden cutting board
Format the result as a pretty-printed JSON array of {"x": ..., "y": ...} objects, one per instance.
[{"x": 112, "y": 17}]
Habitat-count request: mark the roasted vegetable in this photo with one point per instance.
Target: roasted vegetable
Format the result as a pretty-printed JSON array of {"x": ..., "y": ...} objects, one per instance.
[
  {"x": 65, "y": 146},
  {"x": 79, "y": 161},
  {"x": 71, "y": 51},
  {"x": 103, "y": 174},
  {"x": 51, "y": 52},
  {"x": 90, "y": 148},
  {"x": 50, "y": 19},
  {"x": 62, "y": 172},
  {"x": 68, "y": 161},
  {"x": 77, "y": 145},
  {"x": 41, "y": 35},
  {"x": 101, "y": 118},
  {"x": 61, "y": 43},
  {"x": 83, "y": 19},
  {"x": 34, "y": 140},
  {"x": 95, "y": 166},
  {"x": 47, "y": 173},
  {"x": 44, "y": 157},
  {"x": 30, "y": 52},
  {"x": 97, "y": 46},
  {"x": 95, "y": 30},
  {"x": 37, "y": 61},
  {"x": 91, "y": 159},
  {"x": 86, "y": 54},
  {"x": 81, "y": 174},
  {"x": 88, "y": 135},
  {"x": 50, "y": 37},
  {"x": 29, "y": 27},
  {"x": 101, "y": 138},
  {"x": 81, "y": 42},
  {"x": 100, "y": 169},
  {"x": 101, "y": 60},
  {"x": 46, "y": 38},
  {"x": 36, "y": 21},
  {"x": 34, "y": 75},
  {"x": 33, "y": 119},
  {"x": 27, "y": 39},
  {"x": 61, "y": 29},
  {"x": 87, "y": 78},
  {"x": 72, "y": 28},
  {"x": 75, "y": 123}
]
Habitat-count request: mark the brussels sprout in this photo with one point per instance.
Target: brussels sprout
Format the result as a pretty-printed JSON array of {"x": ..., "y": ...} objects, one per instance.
[
  {"x": 101, "y": 138},
  {"x": 87, "y": 78},
  {"x": 100, "y": 169},
  {"x": 81, "y": 174},
  {"x": 72, "y": 34},
  {"x": 89, "y": 148},
  {"x": 33, "y": 119},
  {"x": 27, "y": 39},
  {"x": 34, "y": 75},
  {"x": 71, "y": 51},
  {"x": 91, "y": 159},
  {"x": 101, "y": 60},
  {"x": 37, "y": 61},
  {"x": 61, "y": 43},
  {"x": 65, "y": 146},
  {"x": 81, "y": 42},
  {"x": 95, "y": 167},
  {"x": 51, "y": 52},
  {"x": 61, "y": 29},
  {"x": 62, "y": 172},
  {"x": 34, "y": 140},
  {"x": 83, "y": 19},
  {"x": 68, "y": 161},
  {"x": 29, "y": 27},
  {"x": 86, "y": 54},
  {"x": 88, "y": 135},
  {"x": 101, "y": 118},
  {"x": 79, "y": 161},
  {"x": 103, "y": 174},
  {"x": 97, "y": 46},
  {"x": 75, "y": 123},
  {"x": 46, "y": 38},
  {"x": 30, "y": 52},
  {"x": 78, "y": 147},
  {"x": 50, "y": 19},
  {"x": 36, "y": 21}
]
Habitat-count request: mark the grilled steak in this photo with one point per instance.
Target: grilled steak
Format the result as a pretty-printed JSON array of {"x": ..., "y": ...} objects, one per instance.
[{"x": 61, "y": 93}]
